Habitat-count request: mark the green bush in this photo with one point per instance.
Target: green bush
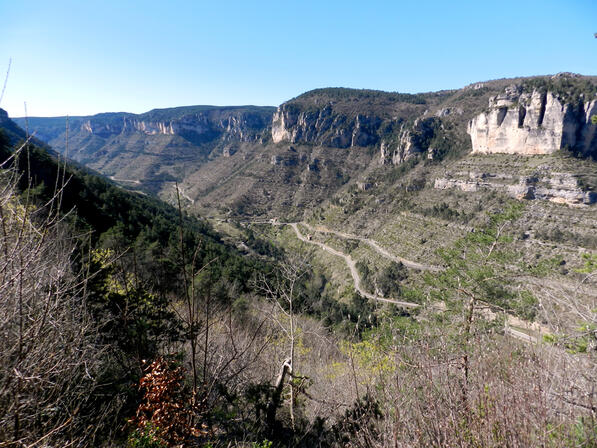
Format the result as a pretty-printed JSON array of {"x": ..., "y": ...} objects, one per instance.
[
  {"x": 148, "y": 437},
  {"x": 265, "y": 444},
  {"x": 389, "y": 279}
]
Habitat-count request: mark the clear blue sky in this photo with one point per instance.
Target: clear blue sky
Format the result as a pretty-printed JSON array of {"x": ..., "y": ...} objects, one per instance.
[{"x": 84, "y": 57}]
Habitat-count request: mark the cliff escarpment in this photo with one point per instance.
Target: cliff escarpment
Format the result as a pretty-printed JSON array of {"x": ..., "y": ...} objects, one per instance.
[
  {"x": 529, "y": 116},
  {"x": 538, "y": 118},
  {"x": 197, "y": 124},
  {"x": 540, "y": 184},
  {"x": 347, "y": 118},
  {"x": 400, "y": 126},
  {"x": 324, "y": 127},
  {"x": 156, "y": 148}
]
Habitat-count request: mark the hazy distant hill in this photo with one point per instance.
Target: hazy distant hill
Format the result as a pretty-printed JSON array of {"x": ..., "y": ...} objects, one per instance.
[{"x": 155, "y": 146}]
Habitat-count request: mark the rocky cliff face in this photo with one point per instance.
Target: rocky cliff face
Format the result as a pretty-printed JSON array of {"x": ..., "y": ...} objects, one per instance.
[
  {"x": 535, "y": 122},
  {"x": 389, "y": 122},
  {"x": 324, "y": 127},
  {"x": 412, "y": 140},
  {"x": 229, "y": 124},
  {"x": 562, "y": 188},
  {"x": 159, "y": 146},
  {"x": 315, "y": 144}
]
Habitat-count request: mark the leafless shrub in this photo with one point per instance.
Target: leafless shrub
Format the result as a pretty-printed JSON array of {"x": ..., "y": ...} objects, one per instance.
[
  {"x": 48, "y": 356},
  {"x": 513, "y": 394}
]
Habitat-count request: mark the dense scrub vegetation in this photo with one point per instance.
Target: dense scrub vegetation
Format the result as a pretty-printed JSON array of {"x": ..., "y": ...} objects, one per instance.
[
  {"x": 341, "y": 93},
  {"x": 114, "y": 262},
  {"x": 568, "y": 89}
]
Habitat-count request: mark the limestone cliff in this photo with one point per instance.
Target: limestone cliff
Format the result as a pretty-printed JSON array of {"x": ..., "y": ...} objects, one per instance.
[
  {"x": 398, "y": 140},
  {"x": 562, "y": 188},
  {"x": 155, "y": 147},
  {"x": 519, "y": 121},
  {"x": 346, "y": 118},
  {"x": 313, "y": 145},
  {"x": 324, "y": 127},
  {"x": 194, "y": 123},
  {"x": 411, "y": 140}
]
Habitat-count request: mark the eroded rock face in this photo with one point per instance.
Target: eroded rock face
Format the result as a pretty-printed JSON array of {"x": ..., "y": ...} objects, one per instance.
[
  {"x": 412, "y": 140},
  {"x": 398, "y": 140},
  {"x": 230, "y": 125},
  {"x": 322, "y": 126},
  {"x": 562, "y": 188},
  {"x": 533, "y": 123}
]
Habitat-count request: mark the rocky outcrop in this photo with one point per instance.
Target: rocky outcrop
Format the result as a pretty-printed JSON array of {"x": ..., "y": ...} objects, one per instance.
[
  {"x": 399, "y": 137},
  {"x": 323, "y": 126},
  {"x": 230, "y": 124},
  {"x": 411, "y": 140},
  {"x": 444, "y": 112},
  {"x": 535, "y": 122},
  {"x": 561, "y": 188},
  {"x": 557, "y": 187},
  {"x": 229, "y": 151}
]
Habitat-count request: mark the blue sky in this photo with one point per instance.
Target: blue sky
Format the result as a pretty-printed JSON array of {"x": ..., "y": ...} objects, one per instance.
[{"x": 83, "y": 57}]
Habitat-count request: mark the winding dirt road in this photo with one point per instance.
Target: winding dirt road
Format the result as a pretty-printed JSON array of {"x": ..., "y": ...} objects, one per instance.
[
  {"x": 510, "y": 320},
  {"x": 353, "y": 270},
  {"x": 516, "y": 334},
  {"x": 375, "y": 246},
  {"x": 132, "y": 181}
]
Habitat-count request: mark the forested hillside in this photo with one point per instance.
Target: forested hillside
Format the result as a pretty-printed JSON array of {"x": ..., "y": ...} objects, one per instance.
[{"x": 73, "y": 241}]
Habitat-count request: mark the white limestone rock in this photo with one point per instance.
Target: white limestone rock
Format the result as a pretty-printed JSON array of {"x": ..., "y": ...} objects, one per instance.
[{"x": 535, "y": 123}]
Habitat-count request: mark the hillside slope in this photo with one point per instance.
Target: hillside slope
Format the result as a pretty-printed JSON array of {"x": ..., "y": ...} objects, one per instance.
[
  {"x": 115, "y": 218},
  {"x": 154, "y": 147}
]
